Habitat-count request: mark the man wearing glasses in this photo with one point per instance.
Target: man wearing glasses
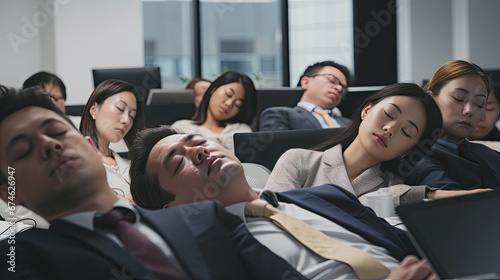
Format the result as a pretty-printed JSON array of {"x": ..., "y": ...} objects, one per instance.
[{"x": 325, "y": 83}]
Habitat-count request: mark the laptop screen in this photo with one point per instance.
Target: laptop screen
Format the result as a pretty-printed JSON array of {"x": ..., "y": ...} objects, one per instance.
[{"x": 459, "y": 236}]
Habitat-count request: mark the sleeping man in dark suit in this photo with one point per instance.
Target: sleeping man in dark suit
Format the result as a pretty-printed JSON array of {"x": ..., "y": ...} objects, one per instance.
[
  {"x": 49, "y": 167},
  {"x": 325, "y": 84},
  {"x": 170, "y": 169}
]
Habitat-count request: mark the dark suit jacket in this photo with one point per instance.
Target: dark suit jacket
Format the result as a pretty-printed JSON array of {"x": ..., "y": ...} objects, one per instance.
[
  {"x": 342, "y": 207},
  {"x": 443, "y": 168},
  {"x": 285, "y": 118},
  {"x": 209, "y": 243}
]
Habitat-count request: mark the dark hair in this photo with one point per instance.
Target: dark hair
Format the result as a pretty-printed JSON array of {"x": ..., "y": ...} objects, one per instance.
[
  {"x": 429, "y": 136},
  {"x": 41, "y": 79},
  {"x": 12, "y": 101},
  {"x": 194, "y": 81},
  {"x": 104, "y": 90},
  {"x": 452, "y": 70},
  {"x": 247, "y": 111},
  {"x": 316, "y": 67},
  {"x": 145, "y": 187}
]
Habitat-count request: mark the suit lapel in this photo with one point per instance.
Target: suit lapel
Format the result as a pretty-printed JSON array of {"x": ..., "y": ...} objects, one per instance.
[
  {"x": 334, "y": 168},
  {"x": 307, "y": 116},
  {"x": 105, "y": 247},
  {"x": 170, "y": 225}
]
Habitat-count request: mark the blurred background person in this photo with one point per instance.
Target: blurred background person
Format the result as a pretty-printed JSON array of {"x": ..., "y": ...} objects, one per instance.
[
  {"x": 199, "y": 87},
  {"x": 54, "y": 87},
  {"x": 486, "y": 130}
]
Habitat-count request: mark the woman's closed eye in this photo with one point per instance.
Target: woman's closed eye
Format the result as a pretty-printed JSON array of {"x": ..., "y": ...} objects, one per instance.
[
  {"x": 406, "y": 134},
  {"x": 179, "y": 164},
  {"x": 120, "y": 109},
  {"x": 458, "y": 99},
  {"x": 390, "y": 117}
]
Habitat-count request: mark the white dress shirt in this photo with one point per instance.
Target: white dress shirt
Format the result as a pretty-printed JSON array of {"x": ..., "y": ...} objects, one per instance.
[
  {"x": 118, "y": 176},
  {"x": 304, "y": 260}
]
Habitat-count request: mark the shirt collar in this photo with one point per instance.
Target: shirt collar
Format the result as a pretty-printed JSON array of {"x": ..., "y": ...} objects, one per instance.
[
  {"x": 311, "y": 107},
  {"x": 238, "y": 209},
  {"x": 86, "y": 219}
]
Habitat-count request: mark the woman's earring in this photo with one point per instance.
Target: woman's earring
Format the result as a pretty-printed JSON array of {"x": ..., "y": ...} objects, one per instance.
[
  {"x": 405, "y": 154},
  {"x": 93, "y": 117}
]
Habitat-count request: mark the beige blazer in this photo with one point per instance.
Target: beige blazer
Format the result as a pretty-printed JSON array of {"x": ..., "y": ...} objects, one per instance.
[{"x": 300, "y": 168}]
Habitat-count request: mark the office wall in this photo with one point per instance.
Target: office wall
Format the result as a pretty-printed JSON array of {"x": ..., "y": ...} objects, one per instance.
[
  {"x": 96, "y": 34},
  {"x": 433, "y": 32},
  {"x": 484, "y": 33},
  {"x": 20, "y": 44},
  {"x": 69, "y": 38}
]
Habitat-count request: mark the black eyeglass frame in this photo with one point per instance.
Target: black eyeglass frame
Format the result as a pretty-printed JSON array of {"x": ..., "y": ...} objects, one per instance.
[{"x": 335, "y": 82}]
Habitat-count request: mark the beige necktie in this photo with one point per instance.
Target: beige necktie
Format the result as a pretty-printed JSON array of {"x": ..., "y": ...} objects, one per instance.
[
  {"x": 326, "y": 117},
  {"x": 364, "y": 265}
]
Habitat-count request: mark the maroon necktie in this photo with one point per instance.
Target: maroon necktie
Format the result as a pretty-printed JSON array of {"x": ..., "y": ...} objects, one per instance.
[{"x": 118, "y": 221}]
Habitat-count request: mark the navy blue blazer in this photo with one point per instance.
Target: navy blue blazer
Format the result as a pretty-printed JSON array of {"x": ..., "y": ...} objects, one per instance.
[
  {"x": 445, "y": 169},
  {"x": 209, "y": 243},
  {"x": 286, "y": 118},
  {"x": 342, "y": 207}
]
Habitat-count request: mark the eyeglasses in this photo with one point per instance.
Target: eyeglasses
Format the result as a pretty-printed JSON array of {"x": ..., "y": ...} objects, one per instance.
[
  {"x": 334, "y": 80},
  {"x": 54, "y": 98}
]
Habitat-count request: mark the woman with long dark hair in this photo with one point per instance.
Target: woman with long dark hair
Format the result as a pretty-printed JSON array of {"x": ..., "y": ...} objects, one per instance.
[
  {"x": 114, "y": 111},
  {"x": 228, "y": 106}
]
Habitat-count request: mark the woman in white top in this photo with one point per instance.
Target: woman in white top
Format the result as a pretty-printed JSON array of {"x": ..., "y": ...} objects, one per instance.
[
  {"x": 114, "y": 111},
  {"x": 389, "y": 134},
  {"x": 228, "y": 106}
]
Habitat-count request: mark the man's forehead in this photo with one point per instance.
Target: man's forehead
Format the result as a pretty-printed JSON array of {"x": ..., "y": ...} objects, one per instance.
[
  {"x": 27, "y": 119},
  {"x": 163, "y": 146}
]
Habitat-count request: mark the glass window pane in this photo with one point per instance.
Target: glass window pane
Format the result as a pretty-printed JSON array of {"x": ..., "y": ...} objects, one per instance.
[
  {"x": 320, "y": 30},
  {"x": 168, "y": 40},
  {"x": 242, "y": 35}
]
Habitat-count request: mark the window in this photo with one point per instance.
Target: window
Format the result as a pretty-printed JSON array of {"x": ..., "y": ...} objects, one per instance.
[
  {"x": 168, "y": 40},
  {"x": 244, "y": 36}
]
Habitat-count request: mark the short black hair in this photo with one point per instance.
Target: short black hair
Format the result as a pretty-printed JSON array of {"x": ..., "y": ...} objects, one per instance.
[
  {"x": 43, "y": 78},
  {"x": 12, "y": 101},
  {"x": 316, "y": 67},
  {"x": 144, "y": 186}
]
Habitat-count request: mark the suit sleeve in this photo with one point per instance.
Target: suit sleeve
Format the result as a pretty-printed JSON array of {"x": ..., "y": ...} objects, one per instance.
[
  {"x": 273, "y": 119},
  {"x": 258, "y": 261},
  {"x": 287, "y": 173},
  {"x": 432, "y": 175}
]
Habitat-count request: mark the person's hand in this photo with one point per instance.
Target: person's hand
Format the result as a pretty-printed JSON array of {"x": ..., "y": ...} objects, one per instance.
[
  {"x": 445, "y": 193},
  {"x": 412, "y": 268}
]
